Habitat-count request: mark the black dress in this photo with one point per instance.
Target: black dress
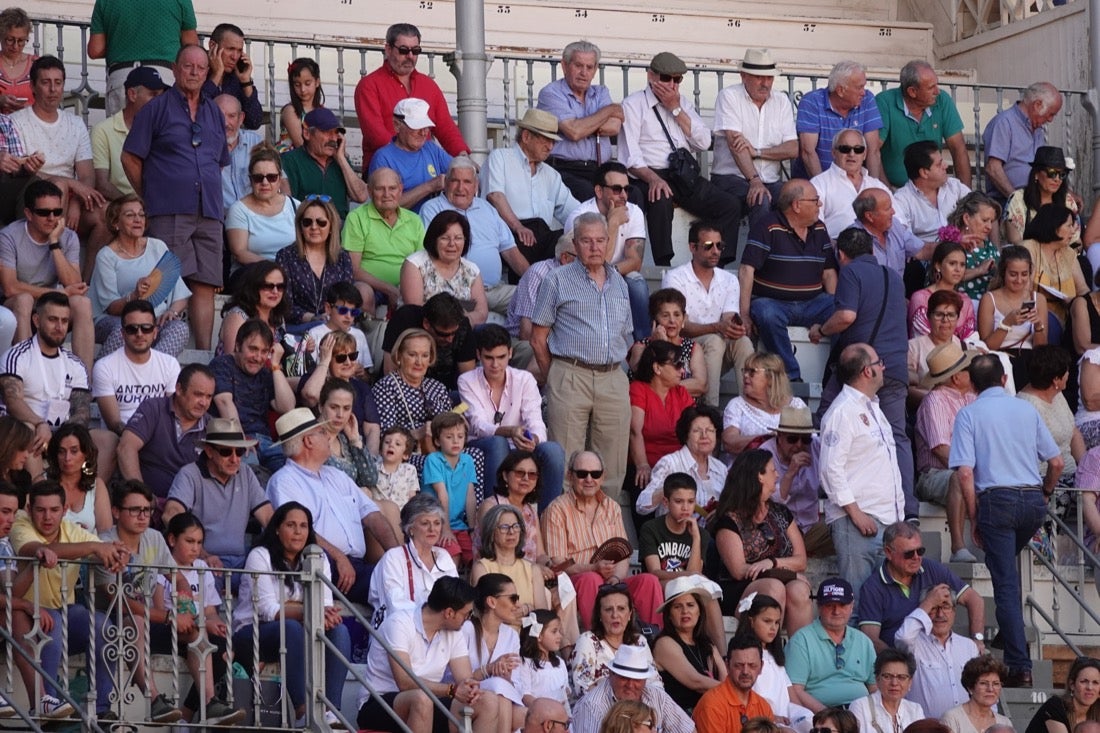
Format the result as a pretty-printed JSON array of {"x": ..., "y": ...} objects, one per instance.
[{"x": 684, "y": 696}]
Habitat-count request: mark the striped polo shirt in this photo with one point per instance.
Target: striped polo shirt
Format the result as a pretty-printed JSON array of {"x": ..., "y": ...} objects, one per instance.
[{"x": 786, "y": 266}]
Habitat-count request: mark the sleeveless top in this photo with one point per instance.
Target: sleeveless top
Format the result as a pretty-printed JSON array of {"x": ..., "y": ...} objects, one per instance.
[
  {"x": 1018, "y": 337},
  {"x": 521, "y": 574},
  {"x": 86, "y": 516},
  {"x": 1094, "y": 319},
  {"x": 684, "y": 696}
]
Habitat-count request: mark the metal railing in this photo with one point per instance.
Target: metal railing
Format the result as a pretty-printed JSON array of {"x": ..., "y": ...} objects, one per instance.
[
  {"x": 128, "y": 641},
  {"x": 515, "y": 79}
]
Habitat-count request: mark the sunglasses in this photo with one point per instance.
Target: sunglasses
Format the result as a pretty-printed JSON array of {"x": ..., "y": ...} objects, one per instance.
[
  {"x": 273, "y": 287},
  {"x": 226, "y": 452},
  {"x": 345, "y": 310},
  {"x": 350, "y": 356},
  {"x": 529, "y": 475},
  {"x": 616, "y": 188},
  {"x": 803, "y": 439},
  {"x": 582, "y": 474},
  {"x": 196, "y": 134},
  {"x": 48, "y": 212},
  {"x": 614, "y": 588},
  {"x": 408, "y": 50},
  {"x": 137, "y": 511},
  {"x": 513, "y": 597},
  {"x": 1055, "y": 173},
  {"x": 308, "y": 221},
  {"x": 133, "y": 329},
  {"x": 324, "y": 198},
  {"x": 708, "y": 246},
  {"x": 840, "y": 656},
  {"x": 846, "y": 149},
  {"x": 261, "y": 177},
  {"x": 674, "y": 78},
  {"x": 916, "y": 552}
]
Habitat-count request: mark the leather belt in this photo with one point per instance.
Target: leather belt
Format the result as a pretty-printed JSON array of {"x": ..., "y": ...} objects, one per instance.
[{"x": 585, "y": 365}]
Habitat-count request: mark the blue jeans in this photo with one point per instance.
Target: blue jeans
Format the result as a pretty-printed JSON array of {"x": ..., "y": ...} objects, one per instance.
[
  {"x": 856, "y": 556},
  {"x": 294, "y": 668},
  {"x": 80, "y": 631},
  {"x": 773, "y": 316},
  {"x": 1007, "y": 519},
  {"x": 638, "y": 291},
  {"x": 549, "y": 456}
]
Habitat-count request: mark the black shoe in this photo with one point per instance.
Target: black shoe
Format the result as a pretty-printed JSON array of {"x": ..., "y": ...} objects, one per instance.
[{"x": 1019, "y": 678}]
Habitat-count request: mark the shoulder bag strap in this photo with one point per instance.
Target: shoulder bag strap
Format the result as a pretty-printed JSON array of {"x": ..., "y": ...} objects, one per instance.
[{"x": 664, "y": 129}]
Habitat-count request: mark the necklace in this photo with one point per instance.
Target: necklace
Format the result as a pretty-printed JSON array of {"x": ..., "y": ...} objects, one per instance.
[{"x": 693, "y": 651}]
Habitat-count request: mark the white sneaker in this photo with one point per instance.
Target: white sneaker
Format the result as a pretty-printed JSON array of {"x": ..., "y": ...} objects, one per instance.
[
  {"x": 963, "y": 555},
  {"x": 332, "y": 721},
  {"x": 53, "y": 708}
]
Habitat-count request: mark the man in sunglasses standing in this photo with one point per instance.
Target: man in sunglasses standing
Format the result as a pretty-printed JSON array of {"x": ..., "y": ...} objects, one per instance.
[
  {"x": 900, "y": 584},
  {"x": 173, "y": 157},
  {"x": 222, "y": 491},
  {"x": 397, "y": 78},
  {"x": 658, "y": 121}
]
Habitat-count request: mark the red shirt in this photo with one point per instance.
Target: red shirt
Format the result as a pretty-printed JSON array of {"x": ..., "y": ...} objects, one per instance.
[
  {"x": 659, "y": 428},
  {"x": 375, "y": 97}
]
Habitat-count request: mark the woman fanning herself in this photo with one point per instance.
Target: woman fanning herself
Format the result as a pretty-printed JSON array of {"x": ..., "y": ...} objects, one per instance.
[{"x": 757, "y": 544}]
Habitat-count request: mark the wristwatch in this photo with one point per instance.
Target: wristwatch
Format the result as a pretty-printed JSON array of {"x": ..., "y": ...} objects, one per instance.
[
  {"x": 978, "y": 636},
  {"x": 676, "y": 112}
]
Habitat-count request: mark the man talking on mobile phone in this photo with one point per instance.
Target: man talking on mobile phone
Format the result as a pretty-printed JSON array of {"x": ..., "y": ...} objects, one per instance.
[{"x": 231, "y": 73}]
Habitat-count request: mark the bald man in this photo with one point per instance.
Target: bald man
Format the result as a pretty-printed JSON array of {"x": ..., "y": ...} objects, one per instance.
[
  {"x": 544, "y": 714},
  {"x": 235, "y": 183},
  {"x": 894, "y": 244}
]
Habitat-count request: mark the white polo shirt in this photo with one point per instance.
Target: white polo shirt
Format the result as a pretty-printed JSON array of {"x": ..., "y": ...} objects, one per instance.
[{"x": 404, "y": 630}]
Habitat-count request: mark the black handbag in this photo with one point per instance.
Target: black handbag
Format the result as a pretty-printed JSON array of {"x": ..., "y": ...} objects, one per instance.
[{"x": 683, "y": 169}]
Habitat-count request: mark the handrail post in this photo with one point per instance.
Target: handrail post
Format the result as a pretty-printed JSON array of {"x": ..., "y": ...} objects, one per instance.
[{"x": 313, "y": 621}]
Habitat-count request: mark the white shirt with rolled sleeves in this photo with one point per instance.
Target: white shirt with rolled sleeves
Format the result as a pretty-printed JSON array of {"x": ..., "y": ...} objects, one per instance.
[
  {"x": 642, "y": 143},
  {"x": 763, "y": 127},
  {"x": 520, "y": 404},
  {"x": 633, "y": 229},
  {"x": 858, "y": 459},
  {"x": 338, "y": 506},
  {"x": 937, "y": 685},
  {"x": 705, "y": 305},
  {"x": 428, "y": 658},
  {"x": 266, "y": 593}
]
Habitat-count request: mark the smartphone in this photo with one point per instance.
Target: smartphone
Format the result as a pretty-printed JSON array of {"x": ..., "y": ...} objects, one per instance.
[
  {"x": 737, "y": 319},
  {"x": 242, "y": 65},
  {"x": 1028, "y": 305}
]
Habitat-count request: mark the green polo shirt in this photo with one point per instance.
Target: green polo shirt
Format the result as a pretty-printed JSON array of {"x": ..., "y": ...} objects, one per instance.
[
  {"x": 900, "y": 130},
  {"x": 384, "y": 248},
  {"x": 307, "y": 177}
]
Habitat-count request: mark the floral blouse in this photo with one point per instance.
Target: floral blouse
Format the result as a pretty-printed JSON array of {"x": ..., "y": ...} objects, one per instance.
[
  {"x": 975, "y": 288},
  {"x": 460, "y": 285},
  {"x": 592, "y": 661}
]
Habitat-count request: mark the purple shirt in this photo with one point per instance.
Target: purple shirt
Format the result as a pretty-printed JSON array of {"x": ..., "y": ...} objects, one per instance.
[
  {"x": 816, "y": 115},
  {"x": 558, "y": 99},
  {"x": 802, "y": 498},
  {"x": 1009, "y": 138},
  {"x": 180, "y": 177},
  {"x": 166, "y": 451}
]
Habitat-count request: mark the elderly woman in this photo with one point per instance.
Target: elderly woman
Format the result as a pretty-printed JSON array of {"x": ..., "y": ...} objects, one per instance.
[
  {"x": 261, "y": 293},
  {"x": 404, "y": 576},
  {"x": 697, "y": 431},
  {"x": 668, "y": 310},
  {"x": 629, "y": 716},
  {"x": 657, "y": 400},
  {"x": 503, "y": 534},
  {"x": 261, "y": 223},
  {"x": 1062, "y": 713},
  {"x": 315, "y": 260},
  {"x": 845, "y": 179},
  {"x": 974, "y": 216},
  {"x": 753, "y": 415},
  {"x": 1047, "y": 183},
  {"x": 983, "y": 678},
  {"x": 579, "y": 522},
  {"x": 442, "y": 267},
  {"x": 16, "y": 90},
  {"x": 1088, "y": 405},
  {"x": 338, "y": 361},
  {"x": 123, "y": 272},
  {"x": 886, "y": 708},
  {"x": 946, "y": 273},
  {"x": 943, "y": 312},
  {"x": 757, "y": 544},
  {"x": 1057, "y": 275}
]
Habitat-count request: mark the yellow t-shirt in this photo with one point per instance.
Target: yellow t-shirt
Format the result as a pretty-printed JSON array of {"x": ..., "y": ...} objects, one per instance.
[{"x": 49, "y": 583}]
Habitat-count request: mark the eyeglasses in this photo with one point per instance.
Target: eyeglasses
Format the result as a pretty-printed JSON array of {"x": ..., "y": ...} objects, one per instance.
[
  {"x": 814, "y": 200},
  {"x": 894, "y": 677},
  {"x": 616, "y": 189},
  {"x": 803, "y": 439},
  {"x": 945, "y": 315},
  {"x": 508, "y": 528},
  {"x": 48, "y": 212},
  {"x": 562, "y": 723},
  {"x": 132, "y": 215},
  {"x": 345, "y": 310},
  {"x": 708, "y": 246},
  {"x": 226, "y": 452},
  {"x": 840, "y": 656},
  {"x": 582, "y": 474},
  {"x": 879, "y": 363},
  {"x": 530, "y": 475},
  {"x": 273, "y": 287},
  {"x": 261, "y": 177},
  {"x": 137, "y": 511},
  {"x": 847, "y": 149},
  {"x": 132, "y": 329},
  {"x": 674, "y": 78},
  {"x": 676, "y": 364},
  {"x": 768, "y": 532},
  {"x": 915, "y": 552},
  {"x": 324, "y": 198},
  {"x": 350, "y": 356},
  {"x": 703, "y": 431},
  {"x": 308, "y": 221},
  {"x": 1055, "y": 173},
  {"x": 196, "y": 134},
  {"x": 16, "y": 41}
]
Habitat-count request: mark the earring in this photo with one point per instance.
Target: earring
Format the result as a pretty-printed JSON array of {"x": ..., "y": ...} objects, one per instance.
[{"x": 87, "y": 469}]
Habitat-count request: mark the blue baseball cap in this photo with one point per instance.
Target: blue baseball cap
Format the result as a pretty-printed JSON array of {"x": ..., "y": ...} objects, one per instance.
[
  {"x": 145, "y": 76},
  {"x": 323, "y": 119}
]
